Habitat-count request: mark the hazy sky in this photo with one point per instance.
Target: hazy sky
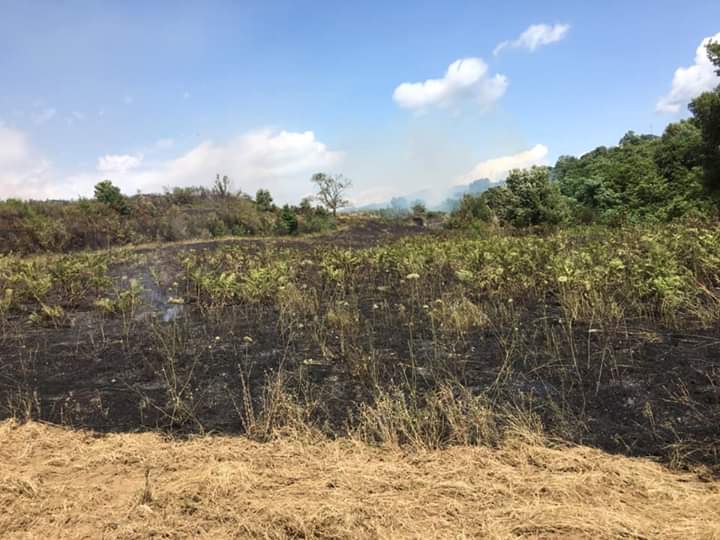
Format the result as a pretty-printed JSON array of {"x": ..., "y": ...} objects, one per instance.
[{"x": 399, "y": 96}]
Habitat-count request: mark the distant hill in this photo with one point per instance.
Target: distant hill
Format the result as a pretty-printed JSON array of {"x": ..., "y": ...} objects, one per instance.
[{"x": 445, "y": 202}]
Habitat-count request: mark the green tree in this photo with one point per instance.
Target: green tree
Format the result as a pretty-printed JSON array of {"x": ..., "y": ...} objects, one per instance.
[
  {"x": 470, "y": 209},
  {"x": 264, "y": 200},
  {"x": 713, "y": 51},
  {"x": 679, "y": 149},
  {"x": 534, "y": 198},
  {"x": 108, "y": 193},
  {"x": 287, "y": 221},
  {"x": 706, "y": 114},
  {"x": 644, "y": 177},
  {"x": 332, "y": 190}
]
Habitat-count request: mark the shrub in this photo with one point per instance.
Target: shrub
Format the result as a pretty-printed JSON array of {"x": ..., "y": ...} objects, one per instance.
[
  {"x": 264, "y": 200},
  {"x": 109, "y": 194},
  {"x": 287, "y": 221}
]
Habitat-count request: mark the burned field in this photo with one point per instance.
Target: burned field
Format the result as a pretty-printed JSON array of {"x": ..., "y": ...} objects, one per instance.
[{"x": 387, "y": 333}]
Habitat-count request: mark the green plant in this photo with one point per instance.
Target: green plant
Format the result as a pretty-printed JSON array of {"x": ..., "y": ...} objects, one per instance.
[
  {"x": 53, "y": 315},
  {"x": 287, "y": 221},
  {"x": 264, "y": 200},
  {"x": 107, "y": 193}
]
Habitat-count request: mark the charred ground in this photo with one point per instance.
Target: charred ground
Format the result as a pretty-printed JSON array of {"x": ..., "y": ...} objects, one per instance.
[{"x": 381, "y": 330}]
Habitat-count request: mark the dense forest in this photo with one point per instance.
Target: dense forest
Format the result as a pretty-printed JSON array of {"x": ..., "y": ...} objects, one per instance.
[{"x": 644, "y": 178}]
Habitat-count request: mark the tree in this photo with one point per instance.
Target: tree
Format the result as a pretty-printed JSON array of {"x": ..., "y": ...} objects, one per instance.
[
  {"x": 287, "y": 221},
  {"x": 222, "y": 186},
  {"x": 306, "y": 205},
  {"x": 332, "y": 190},
  {"x": 713, "y": 52},
  {"x": 469, "y": 209},
  {"x": 264, "y": 200},
  {"x": 108, "y": 193},
  {"x": 534, "y": 200},
  {"x": 706, "y": 113},
  {"x": 643, "y": 178},
  {"x": 419, "y": 208}
]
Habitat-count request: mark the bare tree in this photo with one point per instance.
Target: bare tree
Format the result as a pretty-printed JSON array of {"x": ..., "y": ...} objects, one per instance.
[
  {"x": 222, "y": 186},
  {"x": 332, "y": 190}
]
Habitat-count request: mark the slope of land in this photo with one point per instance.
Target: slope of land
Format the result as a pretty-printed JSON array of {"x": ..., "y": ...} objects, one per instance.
[{"x": 59, "y": 483}]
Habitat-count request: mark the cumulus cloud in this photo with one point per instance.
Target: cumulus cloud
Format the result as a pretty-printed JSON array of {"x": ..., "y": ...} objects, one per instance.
[
  {"x": 279, "y": 160},
  {"x": 23, "y": 172},
  {"x": 253, "y": 160},
  {"x": 689, "y": 82},
  {"x": 535, "y": 36},
  {"x": 465, "y": 79},
  {"x": 13, "y": 146},
  {"x": 496, "y": 169}
]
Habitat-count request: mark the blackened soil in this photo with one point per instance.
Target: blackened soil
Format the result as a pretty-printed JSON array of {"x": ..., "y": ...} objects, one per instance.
[
  {"x": 357, "y": 235},
  {"x": 638, "y": 389}
]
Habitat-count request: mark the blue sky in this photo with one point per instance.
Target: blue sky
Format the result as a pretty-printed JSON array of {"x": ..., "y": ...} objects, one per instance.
[{"x": 165, "y": 93}]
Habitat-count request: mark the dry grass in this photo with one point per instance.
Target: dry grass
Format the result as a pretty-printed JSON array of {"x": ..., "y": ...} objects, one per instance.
[{"x": 57, "y": 483}]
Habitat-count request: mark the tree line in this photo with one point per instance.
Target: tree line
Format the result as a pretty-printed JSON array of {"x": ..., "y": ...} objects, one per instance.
[{"x": 642, "y": 178}]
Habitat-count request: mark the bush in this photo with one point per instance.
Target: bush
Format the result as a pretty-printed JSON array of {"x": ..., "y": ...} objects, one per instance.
[
  {"x": 315, "y": 223},
  {"x": 217, "y": 228},
  {"x": 264, "y": 200},
  {"x": 470, "y": 209},
  {"x": 109, "y": 194},
  {"x": 529, "y": 198},
  {"x": 287, "y": 221}
]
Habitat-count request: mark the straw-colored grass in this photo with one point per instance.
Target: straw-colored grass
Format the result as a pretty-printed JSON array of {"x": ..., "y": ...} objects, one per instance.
[{"x": 58, "y": 483}]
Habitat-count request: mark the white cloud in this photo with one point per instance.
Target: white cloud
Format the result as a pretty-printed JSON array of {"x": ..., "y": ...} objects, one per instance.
[
  {"x": 13, "y": 147},
  {"x": 465, "y": 79},
  {"x": 253, "y": 160},
  {"x": 23, "y": 173},
  {"x": 690, "y": 82},
  {"x": 496, "y": 169},
  {"x": 279, "y": 160},
  {"x": 119, "y": 163},
  {"x": 44, "y": 115},
  {"x": 535, "y": 36}
]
